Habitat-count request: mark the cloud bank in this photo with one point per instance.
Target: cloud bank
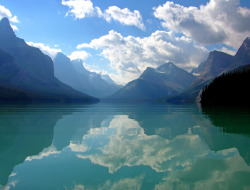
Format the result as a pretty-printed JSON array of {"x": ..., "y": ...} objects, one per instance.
[
  {"x": 130, "y": 56},
  {"x": 219, "y": 21},
  {"x": 84, "y": 8},
  {"x": 79, "y": 55}
]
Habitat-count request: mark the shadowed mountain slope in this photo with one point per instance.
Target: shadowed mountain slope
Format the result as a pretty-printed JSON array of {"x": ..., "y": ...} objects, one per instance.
[
  {"x": 75, "y": 75},
  {"x": 30, "y": 73},
  {"x": 228, "y": 89}
]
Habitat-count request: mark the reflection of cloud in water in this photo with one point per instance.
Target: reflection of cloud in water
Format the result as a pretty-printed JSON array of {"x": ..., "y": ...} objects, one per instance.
[
  {"x": 126, "y": 183},
  {"x": 211, "y": 173},
  {"x": 119, "y": 125},
  {"x": 9, "y": 185},
  {"x": 123, "y": 143},
  {"x": 51, "y": 150},
  {"x": 78, "y": 147}
]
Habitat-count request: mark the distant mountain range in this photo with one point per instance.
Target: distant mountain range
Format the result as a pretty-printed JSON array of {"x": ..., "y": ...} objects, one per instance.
[
  {"x": 178, "y": 86},
  {"x": 26, "y": 74},
  {"x": 216, "y": 64},
  {"x": 75, "y": 75},
  {"x": 164, "y": 81}
]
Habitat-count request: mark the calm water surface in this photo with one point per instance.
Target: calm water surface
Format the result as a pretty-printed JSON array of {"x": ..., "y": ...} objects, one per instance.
[{"x": 124, "y": 146}]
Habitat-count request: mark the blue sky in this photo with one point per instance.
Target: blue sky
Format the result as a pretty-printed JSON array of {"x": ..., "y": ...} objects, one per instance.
[{"x": 122, "y": 38}]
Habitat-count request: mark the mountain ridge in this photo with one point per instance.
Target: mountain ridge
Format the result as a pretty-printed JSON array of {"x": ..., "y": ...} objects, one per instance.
[
  {"x": 30, "y": 73},
  {"x": 216, "y": 63},
  {"x": 74, "y": 74},
  {"x": 228, "y": 63},
  {"x": 165, "y": 80}
]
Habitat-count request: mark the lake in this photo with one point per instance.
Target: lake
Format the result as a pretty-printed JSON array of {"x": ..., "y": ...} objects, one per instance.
[{"x": 124, "y": 146}]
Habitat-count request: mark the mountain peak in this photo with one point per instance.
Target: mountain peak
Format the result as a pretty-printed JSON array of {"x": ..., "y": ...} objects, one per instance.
[
  {"x": 166, "y": 67},
  {"x": 246, "y": 43},
  {"x": 242, "y": 56},
  {"x": 247, "y": 39},
  {"x": 216, "y": 63},
  {"x": 216, "y": 53},
  {"x": 165, "y": 81},
  {"x": 5, "y": 28},
  {"x": 5, "y": 20},
  {"x": 61, "y": 56},
  {"x": 107, "y": 78},
  {"x": 78, "y": 65}
]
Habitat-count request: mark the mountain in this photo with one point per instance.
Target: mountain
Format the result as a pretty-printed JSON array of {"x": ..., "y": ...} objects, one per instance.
[
  {"x": 229, "y": 88},
  {"x": 28, "y": 74},
  {"x": 197, "y": 71},
  {"x": 214, "y": 65},
  {"x": 108, "y": 79},
  {"x": 164, "y": 81},
  {"x": 74, "y": 74},
  {"x": 65, "y": 72},
  {"x": 242, "y": 57},
  {"x": 23, "y": 133}
]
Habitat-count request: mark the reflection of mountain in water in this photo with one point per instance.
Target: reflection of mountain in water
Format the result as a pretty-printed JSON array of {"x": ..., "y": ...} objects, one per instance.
[
  {"x": 230, "y": 121},
  {"x": 121, "y": 142},
  {"x": 136, "y": 146},
  {"x": 24, "y": 131},
  {"x": 163, "y": 120}
]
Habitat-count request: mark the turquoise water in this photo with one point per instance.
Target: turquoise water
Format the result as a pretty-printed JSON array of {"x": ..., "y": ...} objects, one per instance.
[{"x": 124, "y": 146}]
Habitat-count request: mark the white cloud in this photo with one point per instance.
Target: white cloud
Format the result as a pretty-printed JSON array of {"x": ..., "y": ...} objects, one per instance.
[
  {"x": 219, "y": 21},
  {"x": 84, "y": 8},
  {"x": 14, "y": 19},
  {"x": 125, "y": 16},
  {"x": 4, "y": 12},
  {"x": 45, "y": 49},
  {"x": 79, "y": 55},
  {"x": 51, "y": 150},
  {"x": 14, "y": 27},
  {"x": 130, "y": 56},
  {"x": 80, "y": 8},
  {"x": 228, "y": 51}
]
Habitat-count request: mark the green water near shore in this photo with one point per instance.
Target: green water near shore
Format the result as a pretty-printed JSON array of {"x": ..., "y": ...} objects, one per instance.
[{"x": 124, "y": 146}]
